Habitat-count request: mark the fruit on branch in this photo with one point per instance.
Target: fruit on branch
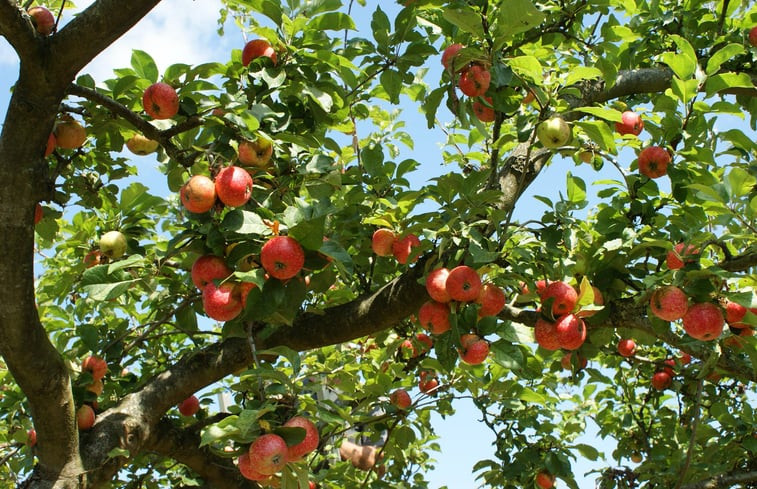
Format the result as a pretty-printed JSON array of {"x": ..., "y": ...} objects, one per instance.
[
  {"x": 436, "y": 284},
  {"x": 403, "y": 247},
  {"x": 255, "y": 49},
  {"x": 268, "y": 454},
  {"x": 704, "y": 321},
  {"x": 400, "y": 399},
  {"x": 51, "y": 144},
  {"x": 474, "y": 80},
  {"x": 38, "y": 213},
  {"x": 753, "y": 36},
  {"x": 255, "y": 153},
  {"x": 92, "y": 258},
  {"x": 545, "y": 333},
  {"x": 222, "y": 302},
  {"x": 570, "y": 331},
  {"x": 636, "y": 458},
  {"x": 587, "y": 155},
  {"x": 670, "y": 364},
  {"x": 566, "y": 363},
  {"x": 31, "y": 437},
  {"x": 565, "y": 297},
  {"x": 141, "y": 145},
  {"x": 43, "y": 20},
  {"x": 69, "y": 134},
  {"x": 684, "y": 358},
  {"x": 95, "y": 366},
  {"x": 113, "y": 244},
  {"x": 545, "y": 480},
  {"x": 631, "y": 123},
  {"x": 243, "y": 463},
  {"x": 484, "y": 110},
  {"x": 553, "y": 132},
  {"x": 207, "y": 268},
  {"x": 189, "y": 406},
  {"x": 434, "y": 316},
  {"x": 735, "y": 312},
  {"x": 529, "y": 97},
  {"x": 233, "y": 186},
  {"x": 669, "y": 303},
  {"x": 474, "y": 349},
  {"x": 681, "y": 255},
  {"x": 96, "y": 387},
  {"x": 653, "y": 161},
  {"x": 160, "y": 101},
  {"x": 661, "y": 380},
  {"x": 408, "y": 346},
  {"x": 198, "y": 194},
  {"x": 448, "y": 55},
  {"x": 282, "y": 257},
  {"x": 308, "y": 444},
  {"x": 85, "y": 417},
  {"x": 428, "y": 383},
  {"x": 492, "y": 300},
  {"x": 382, "y": 241},
  {"x": 244, "y": 290},
  {"x": 627, "y": 347},
  {"x": 463, "y": 284}
]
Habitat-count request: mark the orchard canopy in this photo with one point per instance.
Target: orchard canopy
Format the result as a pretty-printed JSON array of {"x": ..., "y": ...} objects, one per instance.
[{"x": 624, "y": 300}]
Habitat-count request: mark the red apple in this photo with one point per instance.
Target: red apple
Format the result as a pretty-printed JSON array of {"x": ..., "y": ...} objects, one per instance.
[
  {"x": 160, "y": 101},
  {"x": 680, "y": 255},
  {"x": 308, "y": 444},
  {"x": 38, "y": 213},
  {"x": 403, "y": 247},
  {"x": 670, "y": 364},
  {"x": 51, "y": 144},
  {"x": 436, "y": 284},
  {"x": 43, "y": 20},
  {"x": 207, "y": 268},
  {"x": 492, "y": 300},
  {"x": 753, "y": 36},
  {"x": 566, "y": 363},
  {"x": 653, "y": 161},
  {"x": 69, "y": 134},
  {"x": 233, "y": 186},
  {"x": 570, "y": 331},
  {"x": 282, "y": 257},
  {"x": 684, "y": 358},
  {"x": 243, "y": 462},
  {"x": 704, "y": 321},
  {"x": 96, "y": 366},
  {"x": 545, "y": 480},
  {"x": 448, "y": 56},
  {"x": 189, "y": 406},
  {"x": 661, "y": 380},
  {"x": 268, "y": 454},
  {"x": 474, "y": 349},
  {"x": 382, "y": 241},
  {"x": 434, "y": 316},
  {"x": 463, "y": 284},
  {"x": 474, "y": 81},
  {"x": 222, "y": 302},
  {"x": 198, "y": 194},
  {"x": 627, "y": 347},
  {"x": 564, "y": 295},
  {"x": 256, "y": 153},
  {"x": 400, "y": 399},
  {"x": 545, "y": 334},
  {"x": 31, "y": 437},
  {"x": 669, "y": 303},
  {"x": 85, "y": 417},
  {"x": 257, "y": 48},
  {"x": 484, "y": 110},
  {"x": 631, "y": 123},
  {"x": 428, "y": 383},
  {"x": 244, "y": 291}
]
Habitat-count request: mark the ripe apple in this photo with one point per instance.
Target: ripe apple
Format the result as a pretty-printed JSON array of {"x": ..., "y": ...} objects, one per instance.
[
  {"x": 189, "y": 406},
  {"x": 627, "y": 347},
  {"x": 670, "y": 364},
  {"x": 308, "y": 444},
  {"x": 653, "y": 161},
  {"x": 198, "y": 194},
  {"x": 282, "y": 257},
  {"x": 704, "y": 321},
  {"x": 684, "y": 358},
  {"x": 545, "y": 333},
  {"x": 31, "y": 437},
  {"x": 492, "y": 300},
  {"x": 553, "y": 132},
  {"x": 207, "y": 268},
  {"x": 680, "y": 255},
  {"x": 257, "y": 48},
  {"x": 403, "y": 247},
  {"x": 244, "y": 290},
  {"x": 160, "y": 101},
  {"x": 85, "y": 417},
  {"x": 735, "y": 312},
  {"x": 428, "y": 383},
  {"x": 484, "y": 110},
  {"x": 753, "y": 36},
  {"x": 400, "y": 399},
  {"x": 570, "y": 331},
  {"x": 631, "y": 123},
  {"x": 255, "y": 153},
  {"x": 38, "y": 213},
  {"x": 436, "y": 285},
  {"x": 92, "y": 258},
  {"x": 529, "y": 97},
  {"x": 233, "y": 186},
  {"x": 463, "y": 284},
  {"x": 669, "y": 303},
  {"x": 43, "y": 20},
  {"x": 69, "y": 134},
  {"x": 661, "y": 380},
  {"x": 545, "y": 480},
  {"x": 448, "y": 56},
  {"x": 268, "y": 454},
  {"x": 243, "y": 462},
  {"x": 474, "y": 81},
  {"x": 51, "y": 144},
  {"x": 221, "y": 302},
  {"x": 141, "y": 145},
  {"x": 434, "y": 316},
  {"x": 96, "y": 366},
  {"x": 474, "y": 350},
  {"x": 382, "y": 242},
  {"x": 113, "y": 244},
  {"x": 565, "y": 297}
]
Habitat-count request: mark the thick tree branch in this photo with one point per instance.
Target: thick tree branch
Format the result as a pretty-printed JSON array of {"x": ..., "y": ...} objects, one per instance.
[
  {"x": 16, "y": 27},
  {"x": 723, "y": 481}
]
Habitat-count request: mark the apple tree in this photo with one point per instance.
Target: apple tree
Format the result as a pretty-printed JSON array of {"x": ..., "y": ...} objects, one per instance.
[{"x": 289, "y": 261}]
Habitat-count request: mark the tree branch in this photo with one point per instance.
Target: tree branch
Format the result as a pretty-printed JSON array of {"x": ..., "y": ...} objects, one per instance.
[
  {"x": 16, "y": 27},
  {"x": 723, "y": 481}
]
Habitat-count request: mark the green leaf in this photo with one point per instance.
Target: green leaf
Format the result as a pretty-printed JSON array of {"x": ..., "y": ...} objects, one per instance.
[
  {"x": 108, "y": 291},
  {"x": 578, "y": 73},
  {"x": 144, "y": 65},
  {"x": 527, "y": 67},
  {"x": 466, "y": 19},
  {"x": 529, "y": 395},
  {"x": 740, "y": 182},
  {"x": 515, "y": 17},
  {"x": 724, "y": 81},
  {"x": 600, "y": 133},
  {"x": 587, "y": 451},
  {"x": 323, "y": 99},
  {"x": 683, "y": 64},
  {"x": 129, "y": 261},
  {"x": 611, "y": 115},
  {"x": 244, "y": 222},
  {"x": 333, "y": 21},
  {"x": 721, "y": 56},
  {"x": 576, "y": 188},
  {"x": 391, "y": 81}
]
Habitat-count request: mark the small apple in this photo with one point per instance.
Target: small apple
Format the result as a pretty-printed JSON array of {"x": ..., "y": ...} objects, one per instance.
[
  {"x": 753, "y": 36},
  {"x": 38, "y": 213},
  {"x": 436, "y": 284},
  {"x": 113, "y": 244},
  {"x": 545, "y": 480},
  {"x": 661, "y": 380},
  {"x": 587, "y": 155},
  {"x": 545, "y": 333},
  {"x": 448, "y": 56},
  {"x": 681, "y": 255},
  {"x": 400, "y": 399},
  {"x": 198, "y": 194},
  {"x": 141, "y": 145},
  {"x": 96, "y": 387},
  {"x": 268, "y": 454},
  {"x": 207, "y": 268},
  {"x": 553, "y": 132},
  {"x": 570, "y": 331},
  {"x": 43, "y": 20},
  {"x": 308, "y": 444},
  {"x": 684, "y": 358},
  {"x": 463, "y": 284},
  {"x": 428, "y": 383},
  {"x": 31, "y": 437},
  {"x": 474, "y": 350},
  {"x": 653, "y": 161},
  {"x": 160, "y": 101},
  {"x": 282, "y": 257},
  {"x": 85, "y": 417},
  {"x": 565, "y": 297},
  {"x": 627, "y": 347},
  {"x": 669, "y": 303},
  {"x": 69, "y": 134},
  {"x": 704, "y": 321},
  {"x": 257, "y": 48},
  {"x": 255, "y": 153},
  {"x": 636, "y": 458},
  {"x": 434, "y": 316},
  {"x": 474, "y": 81},
  {"x": 233, "y": 186},
  {"x": 382, "y": 242},
  {"x": 631, "y": 123},
  {"x": 243, "y": 462},
  {"x": 222, "y": 302},
  {"x": 51, "y": 144},
  {"x": 529, "y": 97},
  {"x": 484, "y": 110},
  {"x": 492, "y": 300},
  {"x": 96, "y": 366},
  {"x": 403, "y": 247}
]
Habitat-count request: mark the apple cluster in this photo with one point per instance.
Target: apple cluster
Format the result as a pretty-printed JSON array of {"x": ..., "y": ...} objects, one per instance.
[
  {"x": 567, "y": 330},
  {"x": 386, "y": 243},
  {"x": 96, "y": 367},
  {"x": 473, "y": 79}
]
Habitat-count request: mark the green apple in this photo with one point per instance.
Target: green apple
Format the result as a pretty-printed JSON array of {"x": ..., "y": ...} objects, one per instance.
[
  {"x": 113, "y": 244},
  {"x": 553, "y": 132}
]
